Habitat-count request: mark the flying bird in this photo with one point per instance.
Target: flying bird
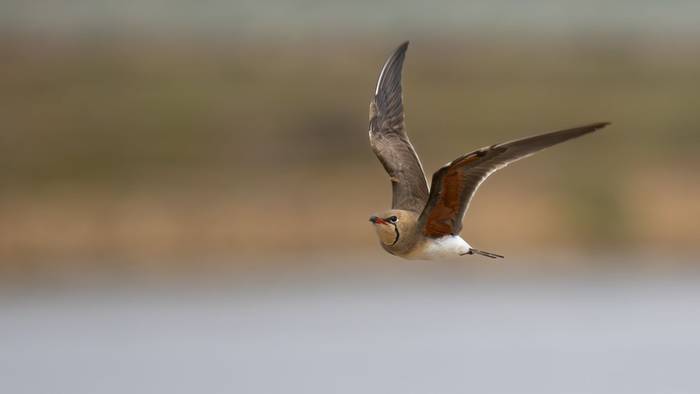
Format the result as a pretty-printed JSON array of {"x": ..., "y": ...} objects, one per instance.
[{"x": 424, "y": 223}]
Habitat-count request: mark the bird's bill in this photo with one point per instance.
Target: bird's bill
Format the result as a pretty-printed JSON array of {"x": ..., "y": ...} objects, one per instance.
[{"x": 377, "y": 220}]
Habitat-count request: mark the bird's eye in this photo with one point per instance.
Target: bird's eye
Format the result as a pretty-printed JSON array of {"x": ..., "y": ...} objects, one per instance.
[{"x": 392, "y": 219}]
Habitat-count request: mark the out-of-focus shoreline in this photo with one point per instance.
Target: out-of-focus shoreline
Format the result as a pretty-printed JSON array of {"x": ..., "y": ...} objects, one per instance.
[{"x": 128, "y": 151}]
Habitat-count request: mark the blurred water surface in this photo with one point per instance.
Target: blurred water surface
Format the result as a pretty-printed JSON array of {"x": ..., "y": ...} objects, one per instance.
[
  {"x": 306, "y": 17},
  {"x": 408, "y": 329}
]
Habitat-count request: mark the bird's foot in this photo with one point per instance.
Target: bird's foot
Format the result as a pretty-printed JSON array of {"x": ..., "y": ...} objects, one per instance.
[{"x": 482, "y": 253}]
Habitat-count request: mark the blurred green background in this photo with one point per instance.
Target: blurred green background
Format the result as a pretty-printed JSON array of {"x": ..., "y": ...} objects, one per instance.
[{"x": 153, "y": 135}]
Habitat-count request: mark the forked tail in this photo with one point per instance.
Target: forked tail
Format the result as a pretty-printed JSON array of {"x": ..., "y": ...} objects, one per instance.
[{"x": 481, "y": 252}]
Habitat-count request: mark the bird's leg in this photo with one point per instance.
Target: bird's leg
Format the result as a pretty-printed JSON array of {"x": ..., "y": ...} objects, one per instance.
[{"x": 482, "y": 253}]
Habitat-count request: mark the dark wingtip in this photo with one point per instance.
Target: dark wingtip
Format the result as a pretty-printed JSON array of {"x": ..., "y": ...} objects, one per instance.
[
  {"x": 403, "y": 47},
  {"x": 399, "y": 53},
  {"x": 390, "y": 76},
  {"x": 589, "y": 128},
  {"x": 599, "y": 125}
]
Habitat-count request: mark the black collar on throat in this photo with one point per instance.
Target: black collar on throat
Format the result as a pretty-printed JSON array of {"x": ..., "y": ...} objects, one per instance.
[{"x": 396, "y": 229}]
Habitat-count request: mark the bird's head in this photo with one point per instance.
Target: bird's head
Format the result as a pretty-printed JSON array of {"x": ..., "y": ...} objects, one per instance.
[{"x": 394, "y": 226}]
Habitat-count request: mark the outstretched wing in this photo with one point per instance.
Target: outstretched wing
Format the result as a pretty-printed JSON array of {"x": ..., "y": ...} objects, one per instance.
[
  {"x": 455, "y": 183},
  {"x": 389, "y": 141}
]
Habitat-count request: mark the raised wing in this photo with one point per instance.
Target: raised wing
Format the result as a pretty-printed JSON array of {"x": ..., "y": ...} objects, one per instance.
[
  {"x": 390, "y": 142},
  {"x": 455, "y": 184}
]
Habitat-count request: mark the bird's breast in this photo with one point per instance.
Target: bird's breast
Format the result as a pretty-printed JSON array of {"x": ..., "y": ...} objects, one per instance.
[{"x": 449, "y": 246}]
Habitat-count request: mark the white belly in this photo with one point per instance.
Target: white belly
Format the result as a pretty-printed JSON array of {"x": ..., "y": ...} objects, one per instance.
[{"x": 449, "y": 246}]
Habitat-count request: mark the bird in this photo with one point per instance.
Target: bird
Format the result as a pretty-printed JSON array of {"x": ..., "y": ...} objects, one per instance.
[{"x": 424, "y": 222}]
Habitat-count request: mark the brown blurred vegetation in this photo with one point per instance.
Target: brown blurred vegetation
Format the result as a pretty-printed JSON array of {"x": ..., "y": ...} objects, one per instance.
[{"x": 142, "y": 150}]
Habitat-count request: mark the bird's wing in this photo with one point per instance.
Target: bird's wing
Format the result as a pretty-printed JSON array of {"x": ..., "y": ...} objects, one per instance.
[
  {"x": 389, "y": 140},
  {"x": 455, "y": 184}
]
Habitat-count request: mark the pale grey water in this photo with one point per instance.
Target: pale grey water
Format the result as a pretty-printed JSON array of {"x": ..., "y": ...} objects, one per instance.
[
  {"x": 285, "y": 19},
  {"x": 359, "y": 333}
]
